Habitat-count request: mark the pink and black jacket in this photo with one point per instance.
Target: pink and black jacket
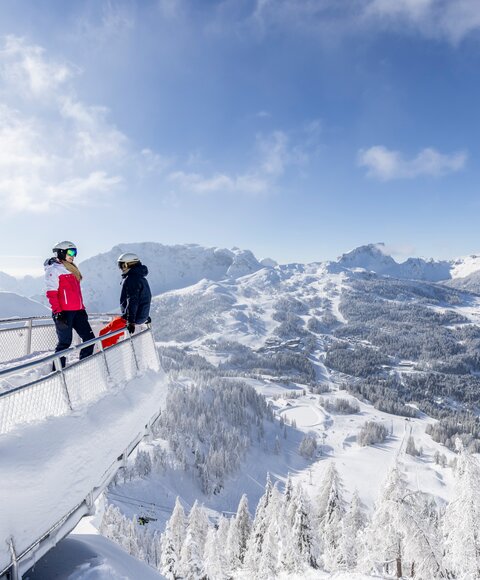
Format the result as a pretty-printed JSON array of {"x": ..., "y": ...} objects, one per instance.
[{"x": 63, "y": 288}]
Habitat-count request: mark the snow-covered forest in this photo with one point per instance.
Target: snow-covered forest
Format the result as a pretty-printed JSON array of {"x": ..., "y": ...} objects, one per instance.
[
  {"x": 292, "y": 531},
  {"x": 336, "y": 387}
]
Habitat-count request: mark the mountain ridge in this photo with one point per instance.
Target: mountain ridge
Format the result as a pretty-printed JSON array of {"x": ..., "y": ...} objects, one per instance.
[{"x": 178, "y": 266}]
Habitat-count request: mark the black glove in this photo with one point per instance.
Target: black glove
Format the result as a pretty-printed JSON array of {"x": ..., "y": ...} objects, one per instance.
[
  {"x": 131, "y": 327},
  {"x": 60, "y": 317},
  {"x": 148, "y": 321}
]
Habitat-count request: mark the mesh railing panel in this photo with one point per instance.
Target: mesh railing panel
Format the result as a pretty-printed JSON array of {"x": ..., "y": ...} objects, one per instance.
[
  {"x": 145, "y": 349},
  {"x": 43, "y": 399},
  {"x": 44, "y": 338},
  {"x": 121, "y": 362},
  {"x": 86, "y": 380},
  {"x": 13, "y": 343}
]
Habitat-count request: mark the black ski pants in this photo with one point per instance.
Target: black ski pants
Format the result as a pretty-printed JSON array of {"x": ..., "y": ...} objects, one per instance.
[{"x": 73, "y": 320}]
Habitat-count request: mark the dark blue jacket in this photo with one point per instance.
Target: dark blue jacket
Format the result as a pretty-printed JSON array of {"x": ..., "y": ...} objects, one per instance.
[{"x": 135, "y": 297}]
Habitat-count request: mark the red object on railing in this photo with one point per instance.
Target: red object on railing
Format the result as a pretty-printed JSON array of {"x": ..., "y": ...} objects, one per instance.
[{"x": 116, "y": 324}]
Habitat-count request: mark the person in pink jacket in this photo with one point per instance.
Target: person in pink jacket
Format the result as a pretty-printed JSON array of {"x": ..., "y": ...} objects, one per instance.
[{"x": 62, "y": 279}]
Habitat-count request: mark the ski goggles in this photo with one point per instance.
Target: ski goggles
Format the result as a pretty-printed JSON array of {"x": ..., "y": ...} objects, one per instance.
[{"x": 72, "y": 252}]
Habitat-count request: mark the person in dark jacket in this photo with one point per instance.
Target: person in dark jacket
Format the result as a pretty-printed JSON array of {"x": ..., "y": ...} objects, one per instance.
[{"x": 135, "y": 297}]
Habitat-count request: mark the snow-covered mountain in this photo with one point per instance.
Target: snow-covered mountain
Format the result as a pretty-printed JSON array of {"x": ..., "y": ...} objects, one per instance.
[
  {"x": 179, "y": 266},
  {"x": 370, "y": 327},
  {"x": 12, "y": 305},
  {"x": 170, "y": 267},
  {"x": 8, "y": 283},
  {"x": 330, "y": 347},
  {"x": 372, "y": 257},
  {"x": 336, "y": 351},
  {"x": 469, "y": 282}
]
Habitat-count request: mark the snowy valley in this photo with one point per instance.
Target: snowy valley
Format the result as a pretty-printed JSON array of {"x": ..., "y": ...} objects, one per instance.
[{"x": 322, "y": 419}]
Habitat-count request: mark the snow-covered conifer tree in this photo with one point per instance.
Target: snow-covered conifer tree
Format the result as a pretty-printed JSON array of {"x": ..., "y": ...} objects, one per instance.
[
  {"x": 193, "y": 549},
  {"x": 172, "y": 541},
  {"x": 330, "y": 479},
  {"x": 288, "y": 489},
  {"x": 300, "y": 548},
  {"x": 111, "y": 522},
  {"x": 143, "y": 464},
  {"x": 222, "y": 537},
  {"x": 277, "y": 447},
  {"x": 353, "y": 523},
  {"x": 259, "y": 528},
  {"x": 330, "y": 506},
  {"x": 268, "y": 561},
  {"x": 331, "y": 530},
  {"x": 411, "y": 448},
  {"x": 239, "y": 534},
  {"x": 399, "y": 539},
  {"x": 267, "y": 565},
  {"x": 213, "y": 564},
  {"x": 423, "y": 541},
  {"x": 385, "y": 535},
  {"x": 462, "y": 519}
]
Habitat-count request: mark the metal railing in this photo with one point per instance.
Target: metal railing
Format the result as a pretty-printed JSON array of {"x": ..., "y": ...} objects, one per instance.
[
  {"x": 20, "y": 337},
  {"x": 67, "y": 389},
  {"x": 62, "y": 392}
]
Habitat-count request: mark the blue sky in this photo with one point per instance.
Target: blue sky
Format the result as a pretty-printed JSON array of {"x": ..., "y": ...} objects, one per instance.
[{"x": 296, "y": 128}]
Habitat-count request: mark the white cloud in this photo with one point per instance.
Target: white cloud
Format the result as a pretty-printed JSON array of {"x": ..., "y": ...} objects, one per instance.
[
  {"x": 330, "y": 21},
  {"x": 219, "y": 183},
  {"x": 274, "y": 155},
  {"x": 415, "y": 10},
  {"x": 79, "y": 190},
  {"x": 385, "y": 164},
  {"x": 447, "y": 19},
  {"x": 151, "y": 162},
  {"x": 104, "y": 24},
  {"x": 400, "y": 252},
  {"x": 55, "y": 151},
  {"x": 24, "y": 68},
  {"x": 460, "y": 19},
  {"x": 37, "y": 173},
  {"x": 94, "y": 137}
]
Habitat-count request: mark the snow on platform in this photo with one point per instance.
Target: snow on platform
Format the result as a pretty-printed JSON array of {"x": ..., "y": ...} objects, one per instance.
[
  {"x": 49, "y": 467},
  {"x": 86, "y": 555}
]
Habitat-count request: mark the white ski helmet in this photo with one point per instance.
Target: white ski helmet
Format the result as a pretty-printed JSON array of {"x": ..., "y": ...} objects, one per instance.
[
  {"x": 64, "y": 246},
  {"x": 61, "y": 249},
  {"x": 127, "y": 258}
]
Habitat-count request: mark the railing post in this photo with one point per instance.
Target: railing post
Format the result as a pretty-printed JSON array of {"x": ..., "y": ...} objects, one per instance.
[
  {"x": 14, "y": 575},
  {"x": 102, "y": 350},
  {"x": 155, "y": 346},
  {"x": 29, "y": 336},
  {"x": 133, "y": 350},
  {"x": 90, "y": 503},
  {"x": 58, "y": 366}
]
